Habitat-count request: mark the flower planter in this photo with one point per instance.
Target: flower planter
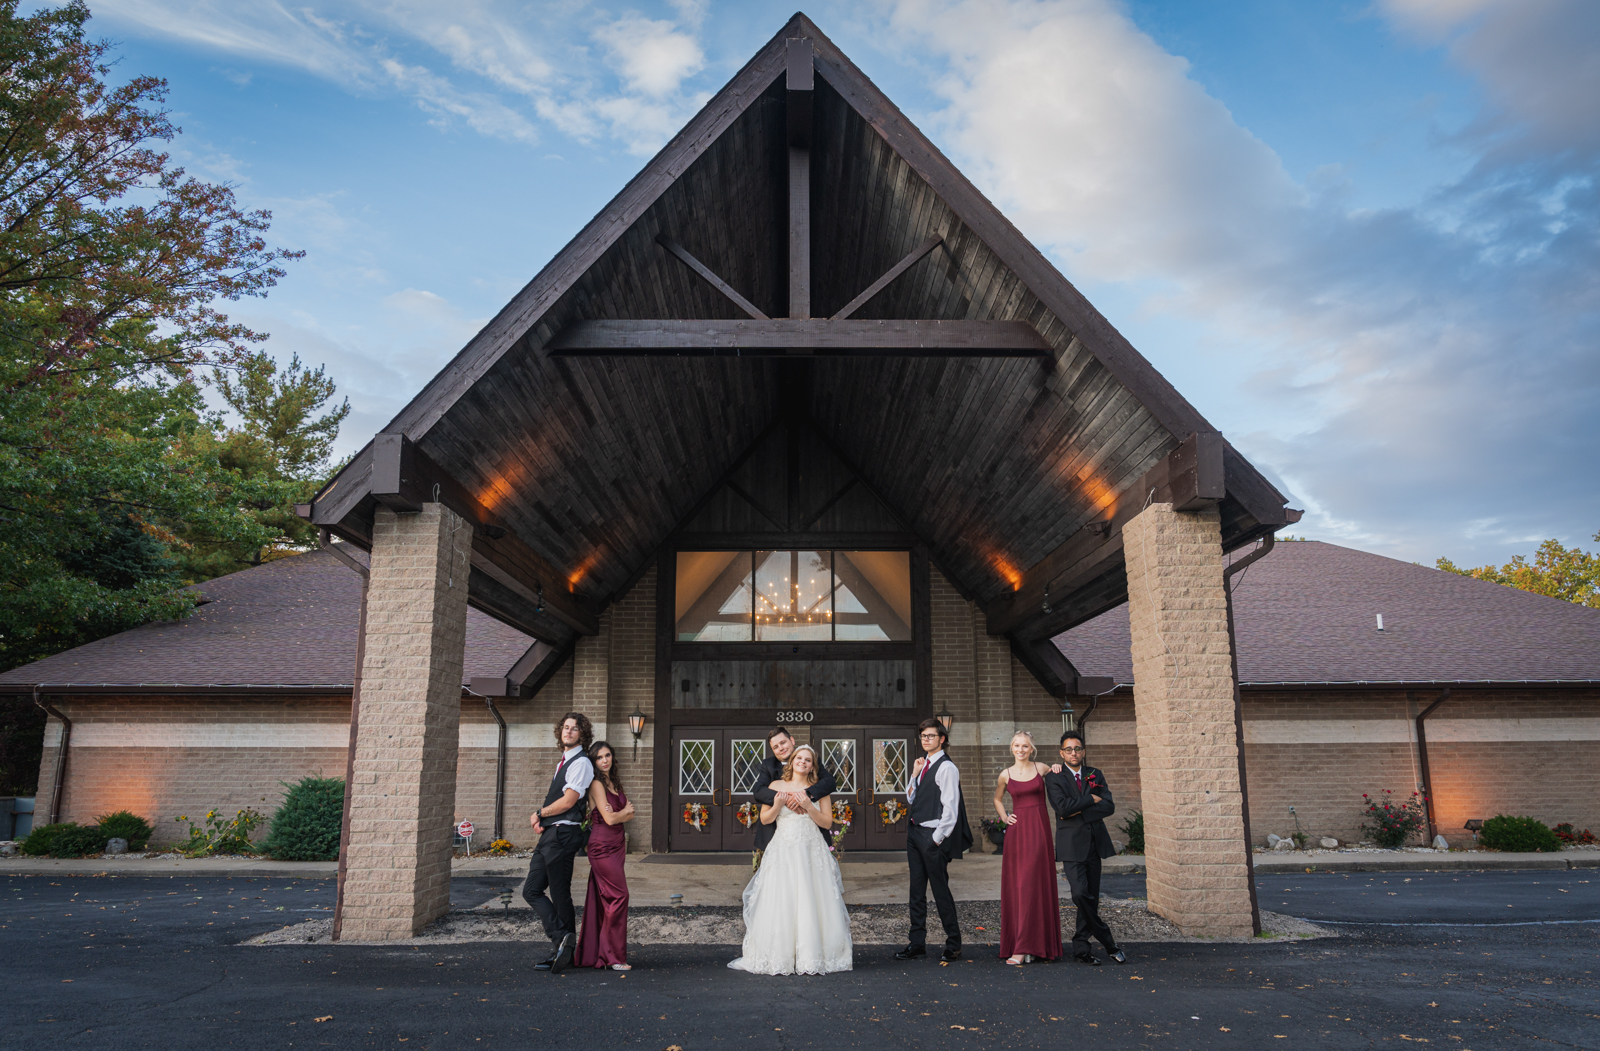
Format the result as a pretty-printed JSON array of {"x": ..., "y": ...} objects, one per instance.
[{"x": 997, "y": 836}]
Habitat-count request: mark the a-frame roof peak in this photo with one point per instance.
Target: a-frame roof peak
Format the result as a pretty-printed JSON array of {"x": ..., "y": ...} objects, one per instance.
[{"x": 555, "y": 427}]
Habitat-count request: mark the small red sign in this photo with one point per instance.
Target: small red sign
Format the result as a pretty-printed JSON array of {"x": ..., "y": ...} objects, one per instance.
[{"x": 464, "y": 830}]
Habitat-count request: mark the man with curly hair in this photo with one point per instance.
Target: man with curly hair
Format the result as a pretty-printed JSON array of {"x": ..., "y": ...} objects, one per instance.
[{"x": 558, "y": 823}]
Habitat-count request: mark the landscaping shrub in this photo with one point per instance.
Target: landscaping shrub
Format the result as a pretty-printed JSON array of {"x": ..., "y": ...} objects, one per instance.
[
  {"x": 1134, "y": 828},
  {"x": 1389, "y": 823},
  {"x": 125, "y": 824},
  {"x": 77, "y": 841},
  {"x": 220, "y": 835},
  {"x": 1517, "y": 834},
  {"x": 306, "y": 826},
  {"x": 1566, "y": 834},
  {"x": 43, "y": 837}
]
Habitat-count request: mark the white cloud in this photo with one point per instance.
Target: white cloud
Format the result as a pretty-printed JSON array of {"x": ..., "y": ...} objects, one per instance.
[
  {"x": 1420, "y": 375},
  {"x": 499, "y": 68},
  {"x": 651, "y": 56}
]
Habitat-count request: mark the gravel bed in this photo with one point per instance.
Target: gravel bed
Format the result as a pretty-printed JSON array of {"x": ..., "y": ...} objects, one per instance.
[{"x": 1131, "y": 921}]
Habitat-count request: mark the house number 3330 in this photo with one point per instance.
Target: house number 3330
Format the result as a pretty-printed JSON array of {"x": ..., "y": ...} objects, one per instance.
[{"x": 794, "y": 717}]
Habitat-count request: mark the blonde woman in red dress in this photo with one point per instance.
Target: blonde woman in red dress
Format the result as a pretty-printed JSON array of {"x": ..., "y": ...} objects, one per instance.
[{"x": 1030, "y": 903}]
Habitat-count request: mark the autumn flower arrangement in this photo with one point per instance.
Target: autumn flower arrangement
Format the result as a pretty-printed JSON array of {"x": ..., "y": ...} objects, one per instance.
[
  {"x": 696, "y": 815},
  {"x": 749, "y": 813},
  {"x": 891, "y": 810}
]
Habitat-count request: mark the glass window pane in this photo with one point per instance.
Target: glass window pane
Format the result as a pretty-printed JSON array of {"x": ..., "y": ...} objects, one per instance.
[
  {"x": 747, "y": 756},
  {"x": 694, "y": 767},
  {"x": 839, "y": 759},
  {"x": 713, "y": 596},
  {"x": 794, "y": 596},
  {"x": 889, "y": 765},
  {"x": 873, "y": 602}
]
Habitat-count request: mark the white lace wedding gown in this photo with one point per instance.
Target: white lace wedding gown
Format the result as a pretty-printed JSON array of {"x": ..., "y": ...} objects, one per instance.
[{"x": 795, "y": 921}]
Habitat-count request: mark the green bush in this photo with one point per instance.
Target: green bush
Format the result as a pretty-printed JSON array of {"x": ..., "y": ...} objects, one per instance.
[
  {"x": 125, "y": 824},
  {"x": 1134, "y": 827},
  {"x": 219, "y": 834},
  {"x": 43, "y": 837},
  {"x": 77, "y": 841},
  {"x": 306, "y": 826},
  {"x": 1517, "y": 834}
]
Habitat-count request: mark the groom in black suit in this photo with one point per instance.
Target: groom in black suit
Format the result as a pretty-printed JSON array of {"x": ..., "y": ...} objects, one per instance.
[
  {"x": 1082, "y": 801},
  {"x": 780, "y": 745}
]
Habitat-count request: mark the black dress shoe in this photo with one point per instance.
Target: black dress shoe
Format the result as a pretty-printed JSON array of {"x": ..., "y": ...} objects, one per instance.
[
  {"x": 1087, "y": 957},
  {"x": 911, "y": 952},
  {"x": 563, "y": 958},
  {"x": 951, "y": 952},
  {"x": 1118, "y": 955},
  {"x": 544, "y": 965}
]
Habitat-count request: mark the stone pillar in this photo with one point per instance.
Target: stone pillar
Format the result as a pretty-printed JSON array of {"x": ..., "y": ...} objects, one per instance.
[
  {"x": 403, "y": 790},
  {"x": 1197, "y": 874}
]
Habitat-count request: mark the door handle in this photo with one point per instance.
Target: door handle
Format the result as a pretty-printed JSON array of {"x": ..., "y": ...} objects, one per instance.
[{"x": 726, "y": 802}]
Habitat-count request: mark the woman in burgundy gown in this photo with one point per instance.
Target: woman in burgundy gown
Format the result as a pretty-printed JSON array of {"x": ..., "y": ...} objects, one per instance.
[
  {"x": 1030, "y": 903},
  {"x": 604, "y": 940}
]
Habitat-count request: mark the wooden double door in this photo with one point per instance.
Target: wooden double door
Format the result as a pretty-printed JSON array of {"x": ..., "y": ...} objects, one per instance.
[{"x": 714, "y": 770}]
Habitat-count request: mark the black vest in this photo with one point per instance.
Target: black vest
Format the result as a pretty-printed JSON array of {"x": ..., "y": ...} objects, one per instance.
[
  {"x": 929, "y": 803},
  {"x": 558, "y": 788}
]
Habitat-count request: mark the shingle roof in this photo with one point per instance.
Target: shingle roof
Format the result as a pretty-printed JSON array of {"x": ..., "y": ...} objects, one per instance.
[
  {"x": 1307, "y": 613},
  {"x": 285, "y": 624}
]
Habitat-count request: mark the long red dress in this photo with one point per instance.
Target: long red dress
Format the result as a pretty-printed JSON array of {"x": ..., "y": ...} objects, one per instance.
[
  {"x": 604, "y": 940},
  {"x": 1030, "y": 903}
]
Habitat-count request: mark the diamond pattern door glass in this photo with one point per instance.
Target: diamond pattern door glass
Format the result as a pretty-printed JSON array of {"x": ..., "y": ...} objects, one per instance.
[
  {"x": 694, "y": 767},
  {"x": 747, "y": 756},
  {"x": 839, "y": 756},
  {"x": 888, "y": 766}
]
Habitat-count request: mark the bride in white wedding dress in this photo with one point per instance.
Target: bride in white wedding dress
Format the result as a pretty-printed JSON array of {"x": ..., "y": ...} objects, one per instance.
[{"x": 795, "y": 921}]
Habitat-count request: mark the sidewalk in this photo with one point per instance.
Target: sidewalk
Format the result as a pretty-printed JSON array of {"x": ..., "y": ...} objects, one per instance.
[{"x": 653, "y": 878}]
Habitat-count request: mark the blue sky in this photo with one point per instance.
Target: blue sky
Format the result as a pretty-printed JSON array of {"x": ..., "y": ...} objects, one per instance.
[{"x": 1360, "y": 236}]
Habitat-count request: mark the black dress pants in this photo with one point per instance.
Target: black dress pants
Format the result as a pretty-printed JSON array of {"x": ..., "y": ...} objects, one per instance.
[
  {"x": 1083, "y": 879},
  {"x": 930, "y": 866},
  {"x": 551, "y": 868}
]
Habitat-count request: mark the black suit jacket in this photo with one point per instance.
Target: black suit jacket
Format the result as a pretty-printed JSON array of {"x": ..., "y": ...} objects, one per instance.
[
  {"x": 772, "y": 770},
  {"x": 1080, "y": 821}
]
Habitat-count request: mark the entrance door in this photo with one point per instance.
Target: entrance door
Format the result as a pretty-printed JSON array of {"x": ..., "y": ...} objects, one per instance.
[
  {"x": 870, "y": 766},
  {"x": 714, "y": 771}
]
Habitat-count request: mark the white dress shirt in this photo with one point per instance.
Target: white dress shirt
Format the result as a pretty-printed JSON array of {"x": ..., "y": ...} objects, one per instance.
[
  {"x": 580, "y": 774},
  {"x": 948, "y": 779}
]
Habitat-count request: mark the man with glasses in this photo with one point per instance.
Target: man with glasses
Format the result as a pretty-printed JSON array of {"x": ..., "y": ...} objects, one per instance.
[
  {"x": 938, "y": 835},
  {"x": 1082, "y": 801}
]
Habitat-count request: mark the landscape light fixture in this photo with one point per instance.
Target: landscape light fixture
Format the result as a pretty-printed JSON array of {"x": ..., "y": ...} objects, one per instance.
[
  {"x": 636, "y": 726},
  {"x": 1474, "y": 825}
]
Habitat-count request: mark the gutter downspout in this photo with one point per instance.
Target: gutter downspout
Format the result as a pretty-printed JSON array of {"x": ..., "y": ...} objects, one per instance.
[
  {"x": 355, "y": 723},
  {"x": 1422, "y": 761},
  {"x": 61, "y": 754},
  {"x": 499, "y": 770},
  {"x": 1238, "y": 727}
]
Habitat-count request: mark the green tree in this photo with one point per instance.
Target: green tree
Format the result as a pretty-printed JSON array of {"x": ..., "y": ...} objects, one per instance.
[
  {"x": 1568, "y": 573},
  {"x": 112, "y": 262},
  {"x": 280, "y": 441}
]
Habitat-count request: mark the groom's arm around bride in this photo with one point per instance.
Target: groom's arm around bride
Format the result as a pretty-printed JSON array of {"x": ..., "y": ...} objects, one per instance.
[{"x": 780, "y": 745}]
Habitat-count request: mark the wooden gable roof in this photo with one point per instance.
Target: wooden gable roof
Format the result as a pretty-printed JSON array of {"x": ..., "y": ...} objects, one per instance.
[{"x": 800, "y": 256}]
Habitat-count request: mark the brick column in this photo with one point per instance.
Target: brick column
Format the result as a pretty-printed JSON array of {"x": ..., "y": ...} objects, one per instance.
[
  {"x": 1183, "y": 702},
  {"x": 402, "y": 797}
]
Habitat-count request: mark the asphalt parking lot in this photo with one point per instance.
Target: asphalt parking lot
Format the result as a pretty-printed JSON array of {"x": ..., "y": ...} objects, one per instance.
[{"x": 1473, "y": 960}]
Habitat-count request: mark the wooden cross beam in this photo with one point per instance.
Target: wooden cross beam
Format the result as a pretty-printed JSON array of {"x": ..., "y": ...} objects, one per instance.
[
  {"x": 814, "y": 336},
  {"x": 893, "y": 272}
]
